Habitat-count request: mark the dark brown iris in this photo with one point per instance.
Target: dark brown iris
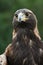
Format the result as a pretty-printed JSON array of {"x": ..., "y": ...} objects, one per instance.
[
  {"x": 26, "y": 14},
  {"x": 16, "y": 15}
]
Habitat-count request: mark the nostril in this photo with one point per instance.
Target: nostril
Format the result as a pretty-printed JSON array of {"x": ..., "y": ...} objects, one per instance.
[
  {"x": 19, "y": 19},
  {"x": 0, "y": 61}
]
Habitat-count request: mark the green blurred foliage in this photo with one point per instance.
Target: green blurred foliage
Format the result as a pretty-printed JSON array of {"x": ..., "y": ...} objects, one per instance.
[{"x": 7, "y": 9}]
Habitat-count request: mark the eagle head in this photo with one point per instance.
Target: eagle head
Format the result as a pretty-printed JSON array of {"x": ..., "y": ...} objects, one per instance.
[{"x": 25, "y": 19}]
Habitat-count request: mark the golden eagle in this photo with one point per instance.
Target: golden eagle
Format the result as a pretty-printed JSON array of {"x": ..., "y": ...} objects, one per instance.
[{"x": 26, "y": 47}]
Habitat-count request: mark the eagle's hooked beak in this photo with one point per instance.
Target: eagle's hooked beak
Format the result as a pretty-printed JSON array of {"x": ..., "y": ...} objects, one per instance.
[{"x": 22, "y": 17}]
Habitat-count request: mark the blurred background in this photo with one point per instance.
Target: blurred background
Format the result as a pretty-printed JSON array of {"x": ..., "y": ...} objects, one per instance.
[{"x": 7, "y": 9}]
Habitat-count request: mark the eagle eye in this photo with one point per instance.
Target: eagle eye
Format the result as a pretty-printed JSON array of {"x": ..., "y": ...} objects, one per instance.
[
  {"x": 26, "y": 13},
  {"x": 16, "y": 15}
]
